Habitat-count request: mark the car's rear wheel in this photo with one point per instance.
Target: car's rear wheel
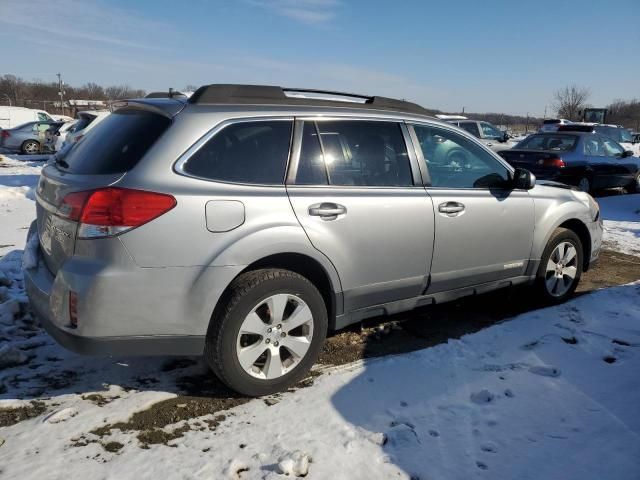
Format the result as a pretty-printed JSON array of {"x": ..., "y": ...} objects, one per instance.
[
  {"x": 560, "y": 266},
  {"x": 584, "y": 185},
  {"x": 30, "y": 147},
  {"x": 267, "y": 332}
]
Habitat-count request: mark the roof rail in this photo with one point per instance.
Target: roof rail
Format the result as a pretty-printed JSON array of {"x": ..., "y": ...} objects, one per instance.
[{"x": 272, "y": 95}]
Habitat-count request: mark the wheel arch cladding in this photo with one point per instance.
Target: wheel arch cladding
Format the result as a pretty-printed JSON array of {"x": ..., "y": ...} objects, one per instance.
[
  {"x": 581, "y": 230},
  {"x": 303, "y": 265}
]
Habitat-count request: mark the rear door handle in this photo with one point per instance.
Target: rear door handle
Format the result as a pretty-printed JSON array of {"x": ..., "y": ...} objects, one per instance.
[
  {"x": 451, "y": 208},
  {"x": 327, "y": 210}
]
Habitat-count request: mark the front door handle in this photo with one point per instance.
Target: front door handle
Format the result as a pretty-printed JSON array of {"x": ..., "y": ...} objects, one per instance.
[
  {"x": 451, "y": 208},
  {"x": 327, "y": 210}
]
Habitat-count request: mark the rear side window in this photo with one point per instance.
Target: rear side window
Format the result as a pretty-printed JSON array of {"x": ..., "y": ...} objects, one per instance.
[
  {"x": 353, "y": 152},
  {"x": 559, "y": 142},
  {"x": 246, "y": 152},
  {"x": 117, "y": 144},
  {"x": 471, "y": 127}
]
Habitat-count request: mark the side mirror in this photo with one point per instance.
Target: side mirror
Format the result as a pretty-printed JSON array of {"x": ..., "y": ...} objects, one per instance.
[
  {"x": 505, "y": 136},
  {"x": 523, "y": 179},
  {"x": 627, "y": 153}
]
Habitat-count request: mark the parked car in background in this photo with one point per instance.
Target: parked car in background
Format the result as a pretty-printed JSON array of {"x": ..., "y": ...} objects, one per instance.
[
  {"x": 196, "y": 227},
  {"x": 62, "y": 118},
  {"x": 85, "y": 122},
  {"x": 28, "y": 138},
  {"x": 552, "y": 124},
  {"x": 489, "y": 134},
  {"x": 55, "y": 135},
  {"x": 48, "y": 145},
  {"x": 620, "y": 135},
  {"x": 587, "y": 160},
  {"x": 11, "y": 117}
]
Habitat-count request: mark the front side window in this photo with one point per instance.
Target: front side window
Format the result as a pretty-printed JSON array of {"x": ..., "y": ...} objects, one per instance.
[
  {"x": 489, "y": 131},
  {"x": 245, "y": 152},
  {"x": 454, "y": 161},
  {"x": 612, "y": 148},
  {"x": 353, "y": 153},
  {"x": 471, "y": 127}
]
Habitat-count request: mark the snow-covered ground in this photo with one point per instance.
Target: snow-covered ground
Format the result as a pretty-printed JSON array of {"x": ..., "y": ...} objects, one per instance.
[{"x": 552, "y": 393}]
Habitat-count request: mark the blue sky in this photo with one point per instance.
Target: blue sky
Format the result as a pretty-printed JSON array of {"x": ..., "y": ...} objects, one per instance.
[{"x": 502, "y": 56}]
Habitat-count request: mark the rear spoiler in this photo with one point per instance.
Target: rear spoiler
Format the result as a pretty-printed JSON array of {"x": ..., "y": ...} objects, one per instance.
[{"x": 167, "y": 107}]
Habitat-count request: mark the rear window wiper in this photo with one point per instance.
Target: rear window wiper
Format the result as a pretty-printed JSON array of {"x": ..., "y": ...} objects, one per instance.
[{"x": 60, "y": 162}]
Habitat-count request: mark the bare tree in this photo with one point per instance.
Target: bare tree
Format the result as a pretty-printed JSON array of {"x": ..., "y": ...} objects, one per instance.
[
  {"x": 190, "y": 88},
  {"x": 570, "y": 100}
]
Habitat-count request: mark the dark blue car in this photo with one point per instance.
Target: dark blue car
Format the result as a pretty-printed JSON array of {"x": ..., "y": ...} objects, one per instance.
[{"x": 587, "y": 160}]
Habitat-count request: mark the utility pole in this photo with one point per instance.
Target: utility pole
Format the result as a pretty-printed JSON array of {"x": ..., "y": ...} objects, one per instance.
[
  {"x": 462, "y": 110},
  {"x": 61, "y": 92},
  {"x": 526, "y": 128},
  {"x": 545, "y": 112}
]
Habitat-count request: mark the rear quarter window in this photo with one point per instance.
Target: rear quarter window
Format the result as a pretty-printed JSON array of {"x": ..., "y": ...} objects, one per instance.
[
  {"x": 117, "y": 144},
  {"x": 252, "y": 152}
]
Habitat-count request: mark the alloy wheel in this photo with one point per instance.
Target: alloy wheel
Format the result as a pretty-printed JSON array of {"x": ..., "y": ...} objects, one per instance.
[
  {"x": 275, "y": 336},
  {"x": 561, "y": 270},
  {"x": 31, "y": 147}
]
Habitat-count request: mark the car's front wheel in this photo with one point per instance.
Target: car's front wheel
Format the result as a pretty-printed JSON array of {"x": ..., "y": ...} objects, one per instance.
[
  {"x": 561, "y": 266},
  {"x": 635, "y": 185},
  {"x": 267, "y": 332},
  {"x": 30, "y": 147}
]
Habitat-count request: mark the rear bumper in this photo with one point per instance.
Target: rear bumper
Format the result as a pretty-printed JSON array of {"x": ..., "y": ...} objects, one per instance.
[
  {"x": 38, "y": 283},
  {"x": 127, "y": 311}
]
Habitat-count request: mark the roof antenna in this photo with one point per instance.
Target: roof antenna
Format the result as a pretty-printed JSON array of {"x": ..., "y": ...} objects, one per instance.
[{"x": 170, "y": 92}]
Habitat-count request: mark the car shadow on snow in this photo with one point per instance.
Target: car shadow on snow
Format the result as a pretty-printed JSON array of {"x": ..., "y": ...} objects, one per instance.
[{"x": 435, "y": 413}]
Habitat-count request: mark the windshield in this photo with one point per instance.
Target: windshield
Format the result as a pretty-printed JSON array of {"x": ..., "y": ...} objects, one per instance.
[
  {"x": 560, "y": 143},
  {"x": 116, "y": 144}
]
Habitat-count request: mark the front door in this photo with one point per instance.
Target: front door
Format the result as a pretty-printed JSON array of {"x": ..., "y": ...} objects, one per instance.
[
  {"x": 483, "y": 228},
  {"x": 353, "y": 191}
]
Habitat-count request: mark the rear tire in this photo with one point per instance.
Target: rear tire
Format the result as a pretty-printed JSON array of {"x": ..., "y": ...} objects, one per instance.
[
  {"x": 30, "y": 147},
  {"x": 560, "y": 266},
  {"x": 251, "y": 346},
  {"x": 584, "y": 185}
]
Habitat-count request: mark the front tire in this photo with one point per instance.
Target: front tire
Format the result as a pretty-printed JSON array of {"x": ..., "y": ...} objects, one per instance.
[
  {"x": 635, "y": 186},
  {"x": 267, "y": 332},
  {"x": 560, "y": 266}
]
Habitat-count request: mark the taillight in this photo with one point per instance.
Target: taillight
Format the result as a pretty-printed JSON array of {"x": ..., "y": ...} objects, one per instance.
[
  {"x": 4, "y": 134},
  {"x": 553, "y": 162},
  {"x": 110, "y": 211}
]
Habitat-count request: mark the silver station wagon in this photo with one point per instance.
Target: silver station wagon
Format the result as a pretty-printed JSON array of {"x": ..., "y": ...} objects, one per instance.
[{"x": 246, "y": 222}]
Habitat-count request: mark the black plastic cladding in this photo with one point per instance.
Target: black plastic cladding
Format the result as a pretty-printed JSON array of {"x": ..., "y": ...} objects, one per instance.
[{"x": 271, "y": 95}]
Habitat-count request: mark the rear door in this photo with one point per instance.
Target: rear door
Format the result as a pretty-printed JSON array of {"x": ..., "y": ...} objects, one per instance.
[
  {"x": 357, "y": 197},
  {"x": 483, "y": 229}
]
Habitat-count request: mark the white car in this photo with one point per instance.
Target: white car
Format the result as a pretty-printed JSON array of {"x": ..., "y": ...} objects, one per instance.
[
  {"x": 85, "y": 122},
  {"x": 552, "y": 124},
  {"x": 11, "y": 117},
  {"x": 62, "y": 133}
]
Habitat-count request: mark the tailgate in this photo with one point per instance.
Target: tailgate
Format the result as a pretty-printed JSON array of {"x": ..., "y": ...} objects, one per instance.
[{"x": 58, "y": 234}]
